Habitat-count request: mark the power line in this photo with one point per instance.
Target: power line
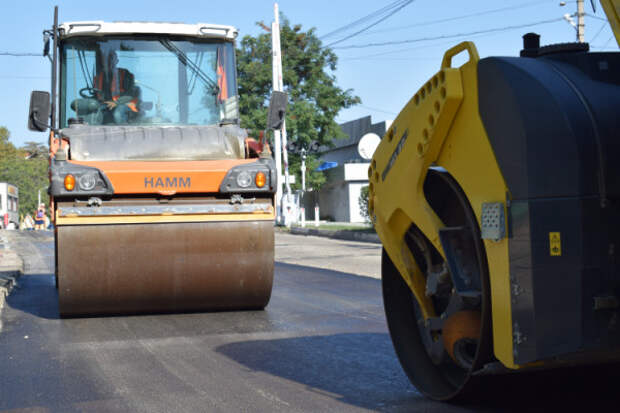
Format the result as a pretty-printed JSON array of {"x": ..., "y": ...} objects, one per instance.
[
  {"x": 408, "y": 2},
  {"x": 608, "y": 41},
  {"x": 599, "y": 32},
  {"x": 24, "y": 77},
  {"x": 466, "y": 16},
  {"x": 366, "y": 18},
  {"x": 449, "y": 36},
  {"x": 595, "y": 17},
  {"x": 408, "y": 49},
  {"x": 378, "y": 110},
  {"x": 20, "y": 54},
  {"x": 383, "y": 59}
]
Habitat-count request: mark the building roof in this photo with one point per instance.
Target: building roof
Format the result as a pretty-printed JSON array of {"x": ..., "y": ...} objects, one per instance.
[
  {"x": 345, "y": 150},
  {"x": 357, "y": 128}
]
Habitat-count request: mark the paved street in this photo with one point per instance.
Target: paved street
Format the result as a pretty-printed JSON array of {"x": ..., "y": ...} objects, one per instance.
[
  {"x": 361, "y": 258},
  {"x": 321, "y": 345}
]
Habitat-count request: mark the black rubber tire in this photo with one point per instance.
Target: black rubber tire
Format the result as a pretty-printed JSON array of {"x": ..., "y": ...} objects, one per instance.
[{"x": 423, "y": 374}]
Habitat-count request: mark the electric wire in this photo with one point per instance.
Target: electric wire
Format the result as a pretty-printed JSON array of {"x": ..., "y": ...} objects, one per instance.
[
  {"x": 595, "y": 17},
  {"x": 24, "y": 77},
  {"x": 598, "y": 32},
  {"x": 15, "y": 54},
  {"x": 377, "y": 110},
  {"x": 607, "y": 42},
  {"x": 372, "y": 24},
  {"x": 366, "y": 18},
  {"x": 449, "y": 36},
  {"x": 449, "y": 19},
  {"x": 408, "y": 49}
]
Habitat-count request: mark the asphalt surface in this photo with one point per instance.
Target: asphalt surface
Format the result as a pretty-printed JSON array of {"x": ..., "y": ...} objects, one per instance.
[
  {"x": 321, "y": 345},
  {"x": 352, "y": 257}
]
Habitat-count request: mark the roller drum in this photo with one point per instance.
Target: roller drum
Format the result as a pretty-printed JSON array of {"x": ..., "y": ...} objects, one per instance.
[{"x": 164, "y": 267}]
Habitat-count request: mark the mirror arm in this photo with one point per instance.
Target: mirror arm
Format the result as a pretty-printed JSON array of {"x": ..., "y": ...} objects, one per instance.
[{"x": 40, "y": 124}]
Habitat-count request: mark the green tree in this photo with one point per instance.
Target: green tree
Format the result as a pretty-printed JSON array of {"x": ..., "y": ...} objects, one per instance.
[
  {"x": 29, "y": 175},
  {"x": 35, "y": 149},
  {"x": 7, "y": 149},
  {"x": 363, "y": 203},
  {"x": 308, "y": 77}
]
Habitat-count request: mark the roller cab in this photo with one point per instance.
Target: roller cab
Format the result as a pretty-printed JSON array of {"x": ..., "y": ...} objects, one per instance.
[
  {"x": 161, "y": 201},
  {"x": 495, "y": 193}
]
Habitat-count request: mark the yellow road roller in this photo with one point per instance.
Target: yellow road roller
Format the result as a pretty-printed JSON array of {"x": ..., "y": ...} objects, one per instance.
[
  {"x": 496, "y": 194},
  {"x": 160, "y": 200}
]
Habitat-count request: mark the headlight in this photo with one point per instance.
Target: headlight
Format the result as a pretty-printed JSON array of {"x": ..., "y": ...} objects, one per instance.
[
  {"x": 259, "y": 177},
  {"x": 87, "y": 182},
  {"x": 244, "y": 179}
]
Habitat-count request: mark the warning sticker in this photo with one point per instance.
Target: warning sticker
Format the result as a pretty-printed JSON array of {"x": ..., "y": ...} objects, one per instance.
[{"x": 555, "y": 244}]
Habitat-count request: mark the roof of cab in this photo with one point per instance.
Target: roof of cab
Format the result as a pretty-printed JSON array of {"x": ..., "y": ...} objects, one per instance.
[{"x": 101, "y": 28}]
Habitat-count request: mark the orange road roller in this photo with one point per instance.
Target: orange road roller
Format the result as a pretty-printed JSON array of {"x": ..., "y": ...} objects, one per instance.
[{"x": 160, "y": 200}]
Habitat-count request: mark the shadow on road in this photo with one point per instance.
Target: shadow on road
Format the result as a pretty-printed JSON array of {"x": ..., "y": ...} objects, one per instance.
[
  {"x": 36, "y": 294},
  {"x": 366, "y": 246},
  {"x": 362, "y": 370}
]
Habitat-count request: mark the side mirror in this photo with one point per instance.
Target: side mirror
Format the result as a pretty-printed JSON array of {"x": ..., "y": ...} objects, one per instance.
[
  {"x": 38, "y": 116},
  {"x": 277, "y": 110}
]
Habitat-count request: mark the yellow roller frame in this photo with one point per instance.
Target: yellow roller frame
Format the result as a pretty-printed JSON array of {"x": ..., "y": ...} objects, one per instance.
[
  {"x": 441, "y": 126},
  {"x": 612, "y": 10}
]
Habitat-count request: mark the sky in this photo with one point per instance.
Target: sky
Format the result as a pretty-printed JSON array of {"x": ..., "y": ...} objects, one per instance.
[{"x": 384, "y": 76}]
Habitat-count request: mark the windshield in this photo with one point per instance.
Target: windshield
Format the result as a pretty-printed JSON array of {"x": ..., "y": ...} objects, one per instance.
[{"x": 147, "y": 81}]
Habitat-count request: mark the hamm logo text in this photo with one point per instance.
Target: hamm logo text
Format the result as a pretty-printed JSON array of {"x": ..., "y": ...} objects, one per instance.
[{"x": 167, "y": 182}]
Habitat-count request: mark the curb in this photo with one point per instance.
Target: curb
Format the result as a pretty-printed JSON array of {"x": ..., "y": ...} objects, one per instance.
[
  {"x": 337, "y": 234},
  {"x": 11, "y": 268}
]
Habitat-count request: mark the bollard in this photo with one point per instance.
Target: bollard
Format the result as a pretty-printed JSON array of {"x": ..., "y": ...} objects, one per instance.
[{"x": 316, "y": 215}]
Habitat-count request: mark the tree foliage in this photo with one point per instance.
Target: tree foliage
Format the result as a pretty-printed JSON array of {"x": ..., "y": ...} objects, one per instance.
[
  {"x": 363, "y": 203},
  {"x": 35, "y": 149},
  {"x": 29, "y": 175},
  {"x": 314, "y": 97}
]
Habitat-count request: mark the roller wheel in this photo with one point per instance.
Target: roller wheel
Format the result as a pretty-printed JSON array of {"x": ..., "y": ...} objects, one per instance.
[{"x": 441, "y": 354}]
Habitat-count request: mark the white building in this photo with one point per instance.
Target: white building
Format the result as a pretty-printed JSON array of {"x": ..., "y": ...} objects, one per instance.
[
  {"x": 9, "y": 206},
  {"x": 348, "y": 174}
]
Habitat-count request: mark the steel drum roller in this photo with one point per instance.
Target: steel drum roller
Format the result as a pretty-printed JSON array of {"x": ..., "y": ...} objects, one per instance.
[{"x": 164, "y": 267}]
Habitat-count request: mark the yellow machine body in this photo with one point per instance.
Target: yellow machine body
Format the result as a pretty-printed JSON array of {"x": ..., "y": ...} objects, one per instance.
[
  {"x": 441, "y": 127},
  {"x": 495, "y": 193}
]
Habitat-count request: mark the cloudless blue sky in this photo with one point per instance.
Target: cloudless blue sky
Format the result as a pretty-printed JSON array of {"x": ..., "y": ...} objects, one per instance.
[{"x": 385, "y": 77}]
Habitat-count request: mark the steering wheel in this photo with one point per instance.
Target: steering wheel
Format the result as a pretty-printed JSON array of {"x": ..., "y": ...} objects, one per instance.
[{"x": 89, "y": 92}]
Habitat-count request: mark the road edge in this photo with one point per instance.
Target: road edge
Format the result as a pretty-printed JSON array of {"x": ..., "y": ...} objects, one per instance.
[
  {"x": 11, "y": 268},
  {"x": 348, "y": 235}
]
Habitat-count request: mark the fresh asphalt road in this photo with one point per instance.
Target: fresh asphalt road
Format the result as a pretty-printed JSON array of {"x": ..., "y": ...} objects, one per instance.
[
  {"x": 352, "y": 257},
  {"x": 321, "y": 345}
]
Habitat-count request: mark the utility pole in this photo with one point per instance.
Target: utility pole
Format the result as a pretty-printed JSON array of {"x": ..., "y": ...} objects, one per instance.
[
  {"x": 280, "y": 136},
  {"x": 581, "y": 25},
  {"x": 276, "y": 76}
]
